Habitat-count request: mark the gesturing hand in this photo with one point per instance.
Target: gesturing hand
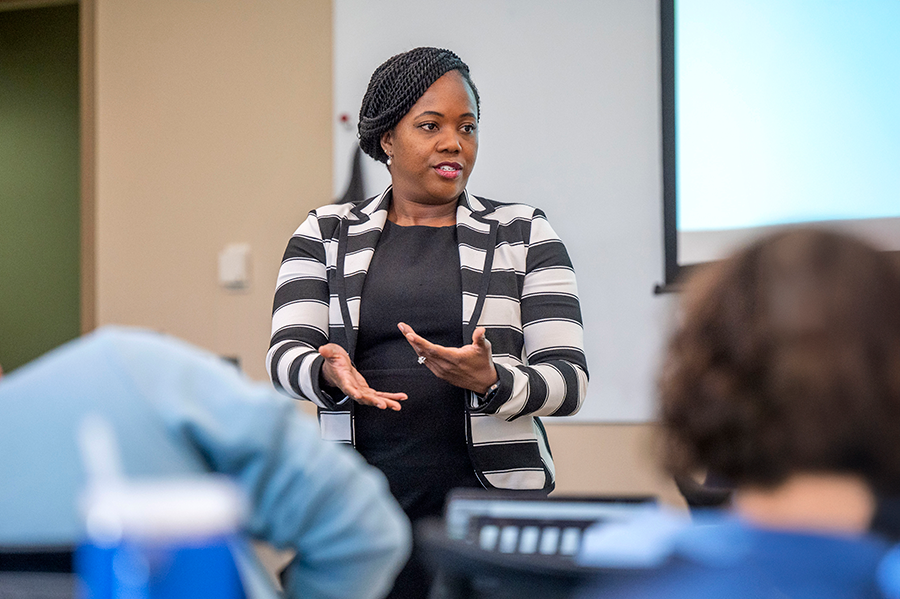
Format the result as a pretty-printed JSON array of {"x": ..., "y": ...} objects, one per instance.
[
  {"x": 340, "y": 372},
  {"x": 469, "y": 367}
]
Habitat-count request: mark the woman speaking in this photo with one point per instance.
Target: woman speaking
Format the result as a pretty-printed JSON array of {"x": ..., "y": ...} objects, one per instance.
[{"x": 431, "y": 327}]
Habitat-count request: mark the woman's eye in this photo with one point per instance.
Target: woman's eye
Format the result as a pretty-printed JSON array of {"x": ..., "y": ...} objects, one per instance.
[
  {"x": 468, "y": 128},
  {"x": 428, "y": 126}
]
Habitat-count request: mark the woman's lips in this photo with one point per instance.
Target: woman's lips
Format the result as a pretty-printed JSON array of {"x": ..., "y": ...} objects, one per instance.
[{"x": 449, "y": 170}]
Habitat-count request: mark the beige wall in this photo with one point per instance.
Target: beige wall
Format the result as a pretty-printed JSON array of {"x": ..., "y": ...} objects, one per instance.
[
  {"x": 213, "y": 126},
  {"x": 609, "y": 459}
]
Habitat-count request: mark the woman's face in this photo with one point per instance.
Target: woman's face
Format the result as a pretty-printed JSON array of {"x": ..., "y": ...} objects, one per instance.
[{"x": 433, "y": 147}]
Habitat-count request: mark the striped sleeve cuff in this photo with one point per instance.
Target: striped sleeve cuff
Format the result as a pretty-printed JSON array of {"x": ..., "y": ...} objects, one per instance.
[
  {"x": 331, "y": 397},
  {"x": 480, "y": 404}
]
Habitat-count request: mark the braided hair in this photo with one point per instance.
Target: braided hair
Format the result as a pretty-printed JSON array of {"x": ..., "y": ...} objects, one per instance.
[{"x": 398, "y": 84}]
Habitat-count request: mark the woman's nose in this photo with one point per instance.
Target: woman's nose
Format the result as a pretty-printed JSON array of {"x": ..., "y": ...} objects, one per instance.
[{"x": 449, "y": 142}]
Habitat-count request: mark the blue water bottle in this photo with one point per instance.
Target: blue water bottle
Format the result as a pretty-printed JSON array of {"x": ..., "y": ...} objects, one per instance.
[
  {"x": 155, "y": 538},
  {"x": 161, "y": 540}
]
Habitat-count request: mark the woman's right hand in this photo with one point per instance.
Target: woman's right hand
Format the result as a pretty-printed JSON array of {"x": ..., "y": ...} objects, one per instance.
[{"x": 339, "y": 371}]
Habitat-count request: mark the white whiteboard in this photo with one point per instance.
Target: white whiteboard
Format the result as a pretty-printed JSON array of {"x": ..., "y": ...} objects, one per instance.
[{"x": 570, "y": 124}]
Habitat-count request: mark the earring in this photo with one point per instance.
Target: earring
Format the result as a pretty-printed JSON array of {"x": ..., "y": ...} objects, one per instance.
[{"x": 390, "y": 160}]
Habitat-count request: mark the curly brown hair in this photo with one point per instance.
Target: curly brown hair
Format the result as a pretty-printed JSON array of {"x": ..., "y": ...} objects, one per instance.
[{"x": 787, "y": 360}]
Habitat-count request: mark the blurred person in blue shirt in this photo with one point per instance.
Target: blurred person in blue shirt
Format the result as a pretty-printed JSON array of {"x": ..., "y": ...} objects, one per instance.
[
  {"x": 179, "y": 411},
  {"x": 782, "y": 377}
]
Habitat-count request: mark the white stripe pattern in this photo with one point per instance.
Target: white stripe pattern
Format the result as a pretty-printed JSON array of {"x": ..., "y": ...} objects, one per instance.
[
  {"x": 550, "y": 280},
  {"x": 487, "y": 429},
  {"x": 300, "y": 268},
  {"x": 335, "y": 426},
  {"x": 290, "y": 314},
  {"x": 517, "y": 479},
  {"x": 552, "y": 333},
  {"x": 501, "y": 311}
]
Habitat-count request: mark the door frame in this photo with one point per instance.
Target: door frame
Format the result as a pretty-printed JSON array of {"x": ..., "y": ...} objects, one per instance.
[{"x": 87, "y": 109}]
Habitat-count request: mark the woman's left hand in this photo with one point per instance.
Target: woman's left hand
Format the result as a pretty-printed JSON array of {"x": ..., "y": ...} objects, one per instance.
[{"x": 469, "y": 367}]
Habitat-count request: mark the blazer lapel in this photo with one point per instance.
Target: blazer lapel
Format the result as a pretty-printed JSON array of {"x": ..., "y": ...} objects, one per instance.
[
  {"x": 369, "y": 216},
  {"x": 476, "y": 238}
]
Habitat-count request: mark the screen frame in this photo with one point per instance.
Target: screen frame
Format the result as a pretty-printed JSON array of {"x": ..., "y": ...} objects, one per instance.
[{"x": 673, "y": 272}]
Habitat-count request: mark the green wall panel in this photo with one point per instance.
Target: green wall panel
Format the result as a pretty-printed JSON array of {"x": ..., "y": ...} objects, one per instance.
[{"x": 39, "y": 185}]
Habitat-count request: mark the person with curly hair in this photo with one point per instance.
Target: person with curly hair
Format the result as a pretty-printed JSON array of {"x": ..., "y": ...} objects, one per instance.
[
  {"x": 430, "y": 327},
  {"x": 783, "y": 377}
]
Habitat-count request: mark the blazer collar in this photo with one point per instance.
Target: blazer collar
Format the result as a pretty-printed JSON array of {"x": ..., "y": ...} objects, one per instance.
[
  {"x": 467, "y": 205},
  {"x": 363, "y": 211}
]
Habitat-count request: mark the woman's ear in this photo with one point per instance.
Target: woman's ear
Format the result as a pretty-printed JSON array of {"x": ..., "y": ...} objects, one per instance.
[{"x": 387, "y": 142}]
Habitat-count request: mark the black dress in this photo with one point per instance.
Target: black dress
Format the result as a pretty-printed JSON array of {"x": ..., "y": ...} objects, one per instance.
[{"x": 413, "y": 278}]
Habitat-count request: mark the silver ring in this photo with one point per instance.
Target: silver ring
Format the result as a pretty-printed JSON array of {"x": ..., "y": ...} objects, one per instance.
[{"x": 421, "y": 359}]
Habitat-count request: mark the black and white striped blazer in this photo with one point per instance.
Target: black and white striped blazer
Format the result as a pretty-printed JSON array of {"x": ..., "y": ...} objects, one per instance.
[{"x": 517, "y": 282}]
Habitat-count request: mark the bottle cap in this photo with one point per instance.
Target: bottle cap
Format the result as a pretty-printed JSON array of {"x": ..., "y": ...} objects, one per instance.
[{"x": 171, "y": 509}]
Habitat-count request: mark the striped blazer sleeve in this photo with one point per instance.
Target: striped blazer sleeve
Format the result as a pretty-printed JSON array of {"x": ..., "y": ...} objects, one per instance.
[
  {"x": 300, "y": 317},
  {"x": 541, "y": 366}
]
